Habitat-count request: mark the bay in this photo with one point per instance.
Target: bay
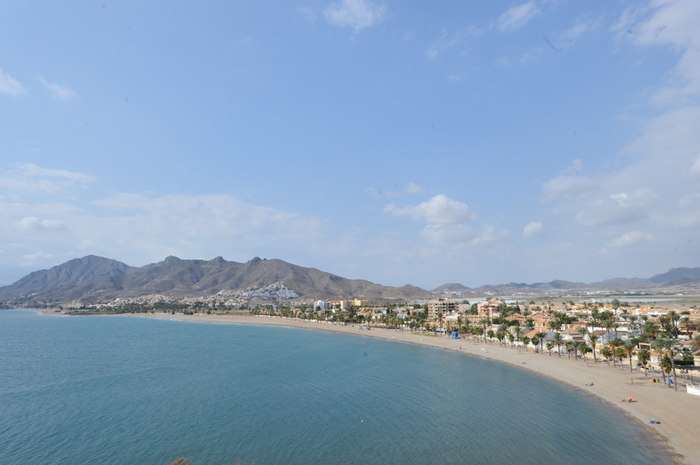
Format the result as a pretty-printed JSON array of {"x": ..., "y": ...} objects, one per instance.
[{"x": 123, "y": 390}]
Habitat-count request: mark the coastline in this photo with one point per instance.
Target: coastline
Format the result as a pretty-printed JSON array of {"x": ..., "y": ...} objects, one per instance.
[{"x": 677, "y": 411}]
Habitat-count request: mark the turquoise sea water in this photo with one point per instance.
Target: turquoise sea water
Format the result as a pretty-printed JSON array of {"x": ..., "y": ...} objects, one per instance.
[{"x": 98, "y": 390}]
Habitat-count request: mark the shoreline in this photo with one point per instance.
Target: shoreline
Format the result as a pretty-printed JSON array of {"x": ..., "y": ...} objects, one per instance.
[{"x": 678, "y": 412}]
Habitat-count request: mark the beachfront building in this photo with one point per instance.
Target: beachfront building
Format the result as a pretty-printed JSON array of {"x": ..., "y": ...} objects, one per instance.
[
  {"x": 490, "y": 308},
  {"x": 341, "y": 304},
  {"x": 441, "y": 306}
]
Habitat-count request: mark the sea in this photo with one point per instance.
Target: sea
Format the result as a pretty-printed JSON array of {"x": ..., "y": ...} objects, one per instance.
[{"x": 130, "y": 390}]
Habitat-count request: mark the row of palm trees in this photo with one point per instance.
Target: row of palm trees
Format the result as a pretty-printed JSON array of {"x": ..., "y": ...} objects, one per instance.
[{"x": 616, "y": 349}]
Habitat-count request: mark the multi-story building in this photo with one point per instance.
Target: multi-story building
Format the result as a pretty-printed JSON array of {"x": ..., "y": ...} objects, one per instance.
[
  {"x": 443, "y": 306},
  {"x": 492, "y": 308}
]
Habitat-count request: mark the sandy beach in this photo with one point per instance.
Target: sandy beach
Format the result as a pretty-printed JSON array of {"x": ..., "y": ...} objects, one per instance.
[{"x": 677, "y": 411}]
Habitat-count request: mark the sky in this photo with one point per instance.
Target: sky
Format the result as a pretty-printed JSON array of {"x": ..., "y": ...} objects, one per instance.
[{"x": 403, "y": 142}]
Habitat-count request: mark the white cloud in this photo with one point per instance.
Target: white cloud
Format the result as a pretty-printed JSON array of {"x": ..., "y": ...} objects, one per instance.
[
  {"x": 412, "y": 188},
  {"x": 631, "y": 238},
  {"x": 564, "y": 186},
  {"x": 29, "y": 178},
  {"x": 447, "y": 223},
  {"x": 62, "y": 94},
  {"x": 34, "y": 223},
  {"x": 517, "y": 17},
  {"x": 32, "y": 170},
  {"x": 576, "y": 166},
  {"x": 438, "y": 210},
  {"x": 583, "y": 25},
  {"x": 461, "y": 234},
  {"x": 447, "y": 40},
  {"x": 10, "y": 86},
  {"x": 607, "y": 214},
  {"x": 139, "y": 229},
  {"x": 674, "y": 23},
  {"x": 618, "y": 208},
  {"x": 356, "y": 14},
  {"x": 533, "y": 229},
  {"x": 638, "y": 199}
]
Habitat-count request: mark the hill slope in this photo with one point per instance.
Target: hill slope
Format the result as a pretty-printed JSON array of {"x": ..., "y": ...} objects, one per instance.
[{"x": 70, "y": 273}]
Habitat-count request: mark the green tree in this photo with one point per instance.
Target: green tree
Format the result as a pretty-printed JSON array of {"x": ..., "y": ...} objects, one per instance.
[
  {"x": 540, "y": 336},
  {"x": 490, "y": 334},
  {"x": 630, "y": 350},
  {"x": 614, "y": 345},
  {"x": 558, "y": 340},
  {"x": 620, "y": 354},
  {"x": 644, "y": 356},
  {"x": 666, "y": 345},
  {"x": 583, "y": 348},
  {"x": 569, "y": 348},
  {"x": 674, "y": 316}
]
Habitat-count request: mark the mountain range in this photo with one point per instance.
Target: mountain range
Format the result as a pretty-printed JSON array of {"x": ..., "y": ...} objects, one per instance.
[
  {"x": 93, "y": 279},
  {"x": 672, "y": 279}
]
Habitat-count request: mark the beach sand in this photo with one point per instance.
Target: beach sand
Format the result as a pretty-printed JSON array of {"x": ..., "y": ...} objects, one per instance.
[{"x": 677, "y": 411}]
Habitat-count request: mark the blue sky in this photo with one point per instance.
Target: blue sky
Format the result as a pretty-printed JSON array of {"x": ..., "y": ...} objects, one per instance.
[{"x": 400, "y": 142}]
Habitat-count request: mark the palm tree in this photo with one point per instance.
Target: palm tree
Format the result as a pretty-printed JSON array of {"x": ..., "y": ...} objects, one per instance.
[
  {"x": 592, "y": 338},
  {"x": 696, "y": 341},
  {"x": 440, "y": 320},
  {"x": 550, "y": 346},
  {"x": 518, "y": 331},
  {"x": 629, "y": 351},
  {"x": 620, "y": 354},
  {"x": 607, "y": 353},
  {"x": 558, "y": 340},
  {"x": 667, "y": 344},
  {"x": 666, "y": 324},
  {"x": 484, "y": 323},
  {"x": 650, "y": 329},
  {"x": 665, "y": 365},
  {"x": 614, "y": 345},
  {"x": 583, "y": 348},
  {"x": 583, "y": 331},
  {"x": 643, "y": 356},
  {"x": 502, "y": 331},
  {"x": 674, "y": 316},
  {"x": 500, "y": 335},
  {"x": 540, "y": 336},
  {"x": 609, "y": 324}
]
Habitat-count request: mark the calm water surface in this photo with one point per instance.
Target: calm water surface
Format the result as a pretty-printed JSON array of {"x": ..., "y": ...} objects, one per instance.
[{"x": 94, "y": 390}]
